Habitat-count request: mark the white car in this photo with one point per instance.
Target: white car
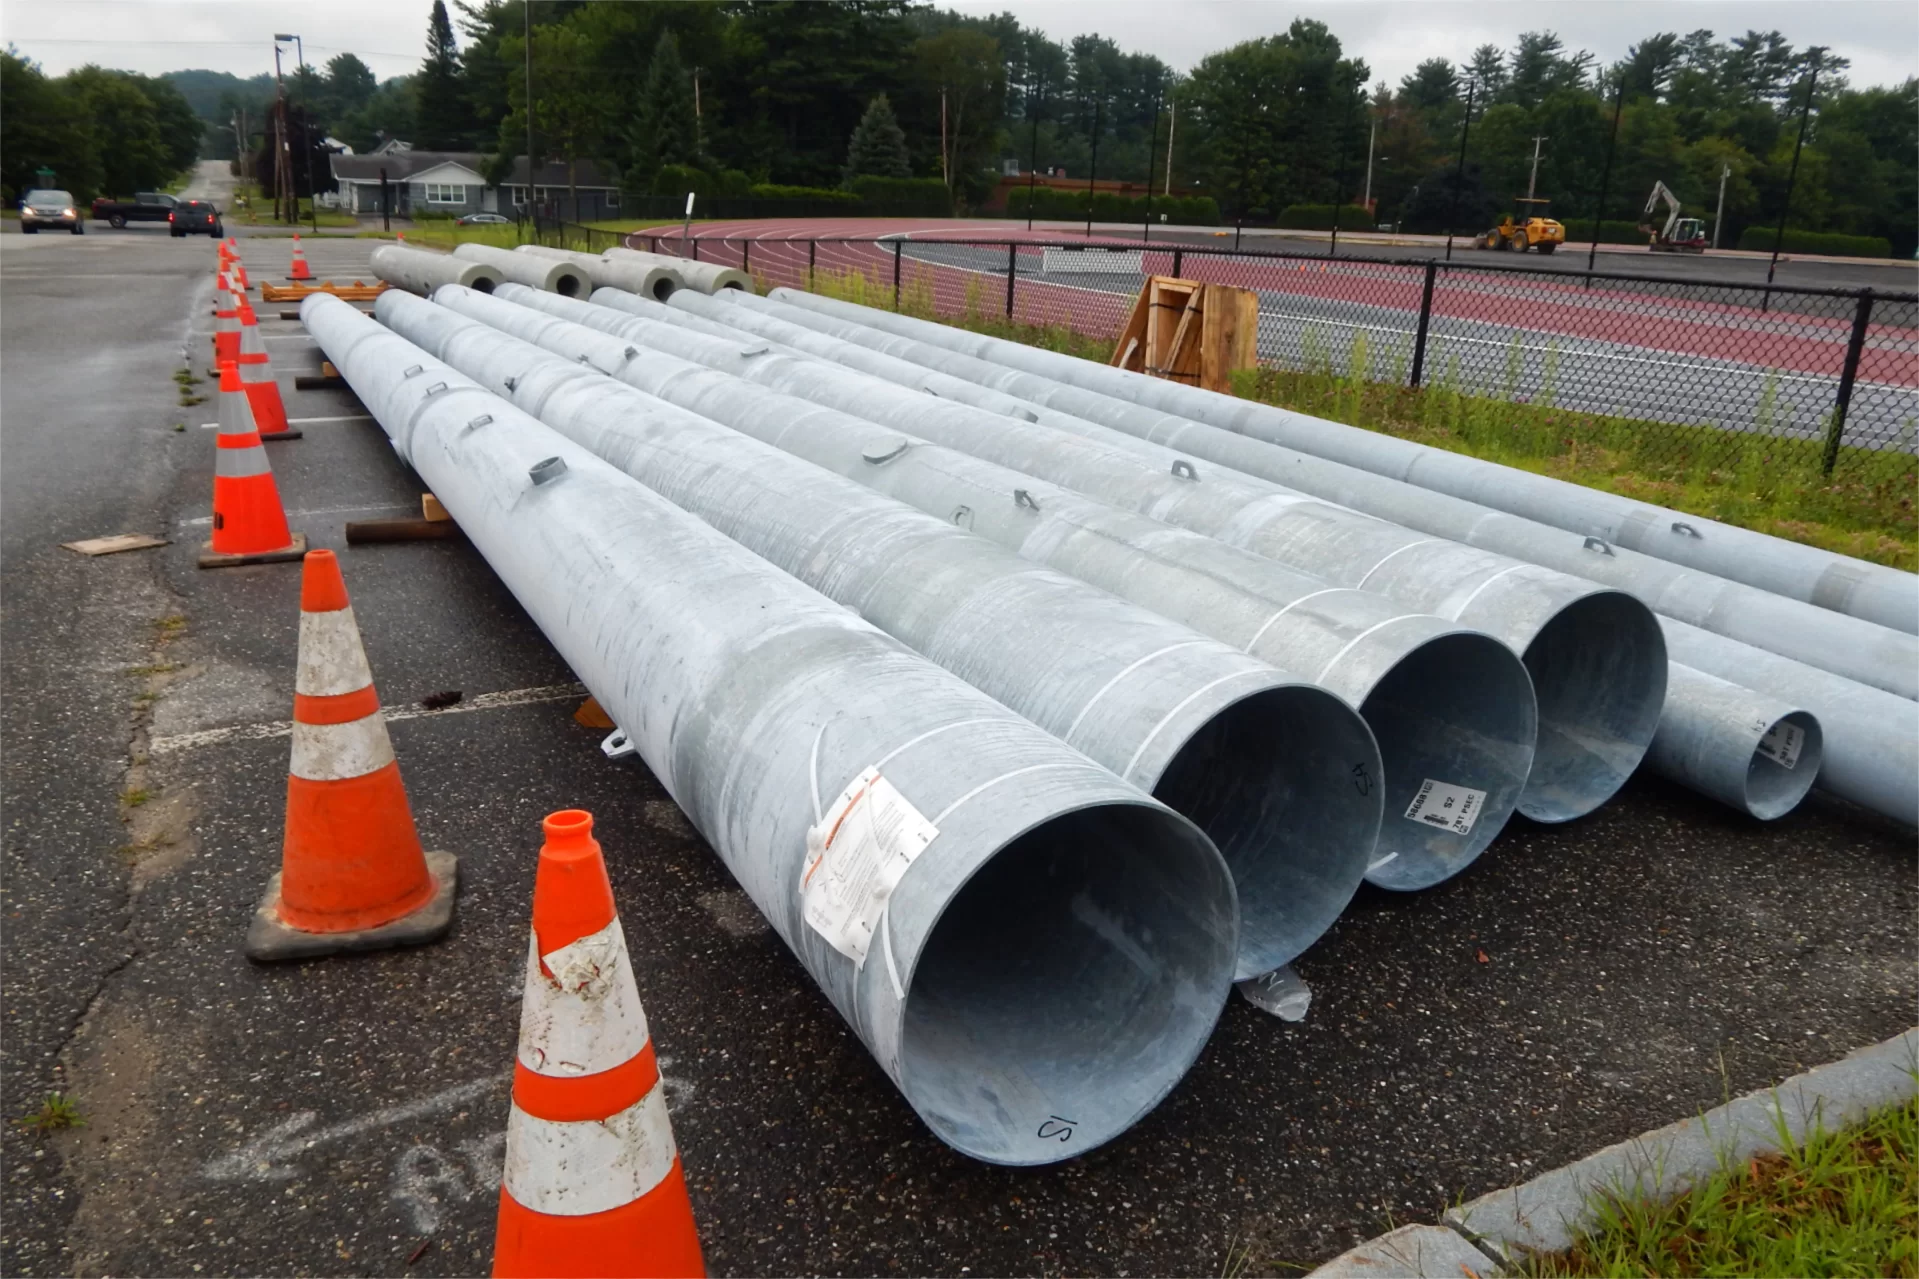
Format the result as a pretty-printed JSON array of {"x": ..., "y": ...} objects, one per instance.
[{"x": 51, "y": 209}]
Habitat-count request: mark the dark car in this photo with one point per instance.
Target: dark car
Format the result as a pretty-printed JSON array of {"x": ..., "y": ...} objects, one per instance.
[
  {"x": 191, "y": 217},
  {"x": 51, "y": 208},
  {"x": 481, "y": 219},
  {"x": 145, "y": 206}
]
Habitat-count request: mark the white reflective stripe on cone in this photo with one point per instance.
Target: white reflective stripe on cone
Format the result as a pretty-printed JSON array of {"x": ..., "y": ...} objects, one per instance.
[
  {"x": 332, "y": 659},
  {"x": 255, "y": 371},
  {"x": 250, "y": 341},
  {"x": 238, "y": 464},
  {"x": 586, "y": 1017},
  {"x": 337, "y": 752},
  {"x": 573, "y": 1169},
  {"x": 236, "y": 414}
]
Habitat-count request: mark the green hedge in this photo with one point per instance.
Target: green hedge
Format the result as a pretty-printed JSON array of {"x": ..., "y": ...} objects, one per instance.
[
  {"x": 904, "y": 197},
  {"x": 1319, "y": 217},
  {"x": 1051, "y": 202},
  {"x": 1759, "y": 240},
  {"x": 777, "y": 191}
]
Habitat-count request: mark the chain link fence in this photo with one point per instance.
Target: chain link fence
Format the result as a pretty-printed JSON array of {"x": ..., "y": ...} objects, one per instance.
[{"x": 1682, "y": 375}]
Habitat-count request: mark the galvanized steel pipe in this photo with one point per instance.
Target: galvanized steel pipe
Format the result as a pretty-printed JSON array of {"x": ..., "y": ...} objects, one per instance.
[
  {"x": 656, "y": 282},
  {"x": 1840, "y": 583},
  {"x": 1452, "y": 708},
  {"x": 1595, "y": 655},
  {"x": 1758, "y": 757},
  {"x": 1262, "y": 761},
  {"x": 420, "y": 272},
  {"x": 551, "y": 274},
  {"x": 707, "y": 277},
  {"x": 1045, "y": 968},
  {"x": 1848, "y": 646}
]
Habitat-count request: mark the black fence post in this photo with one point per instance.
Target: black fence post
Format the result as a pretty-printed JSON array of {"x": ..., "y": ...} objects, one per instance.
[
  {"x": 693, "y": 249},
  {"x": 812, "y": 253},
  {"x": 1425, "y": 321},
  {"x": 1179, "y": 256},
  {"x": 652, "y": 244},
  {"x": 746, "y": 255},
  {"x": 896, "y": 275},
  {"x": 1012, "y": 273},
  {"x": 1855, "y": 346}
]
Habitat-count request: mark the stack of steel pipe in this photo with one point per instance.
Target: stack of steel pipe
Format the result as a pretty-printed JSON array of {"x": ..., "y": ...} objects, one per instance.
[
  {"x": 1451, "y": 708},
  {"x": 706, "y": 277},
  {"x": 555, "y": 275},
  {"x": 1794, "y": 652},
  {"x": 1033, "y": 949},
  {"x": 1262, "y": 760},
  {"x": 644, "y": 279}
]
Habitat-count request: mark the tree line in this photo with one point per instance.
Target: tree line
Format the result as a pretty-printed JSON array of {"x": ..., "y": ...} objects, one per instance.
[{"x": 99, "y": 132}]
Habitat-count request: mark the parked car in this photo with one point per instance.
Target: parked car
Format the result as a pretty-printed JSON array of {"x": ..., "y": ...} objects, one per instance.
[
  {"x": 481, "y": 219},
  {"x": 191, "y": 217},
  {"x": 51, "y": 208},
  {"x": 146, "y": 206}
]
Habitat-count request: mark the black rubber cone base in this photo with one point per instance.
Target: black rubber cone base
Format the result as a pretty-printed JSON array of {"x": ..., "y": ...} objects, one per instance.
[
  {"x": 269, "y": 939},
  {"x": 296, "y": 549}
]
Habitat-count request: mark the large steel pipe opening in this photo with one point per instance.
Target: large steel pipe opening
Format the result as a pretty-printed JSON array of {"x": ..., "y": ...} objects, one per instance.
[
  {"x": 1599, "y": 672},
  {"x": 1074, "y": 967}
]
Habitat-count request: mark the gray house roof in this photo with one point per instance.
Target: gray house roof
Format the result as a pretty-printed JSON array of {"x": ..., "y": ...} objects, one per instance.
[{"x": 402, "y": 165}]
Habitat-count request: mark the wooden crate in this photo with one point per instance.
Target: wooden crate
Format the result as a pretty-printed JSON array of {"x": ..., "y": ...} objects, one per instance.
[{"x": 1190, "y": 332}]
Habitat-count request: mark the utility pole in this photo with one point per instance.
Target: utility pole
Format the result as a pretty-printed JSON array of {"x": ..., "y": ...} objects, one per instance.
[
  {"x": 279, "y": 136},
  {"x": 1092, "y": 169},
  {"x": 1719, "y": 218},
  {"x": 1792, "y": 174},
  {"x": 1605, "y": 178},
  {"x": 1152, "y": 154},
  {"x": 306, "y": 139},
  {"x": 1532, "y": 183},
  {"x": 1372, "y": 132},
  {"x": 1459, "y": 171},
  {"x": 1172, "y": 119},
  {"x": 526, "y": 40},
  {"x": 946, "y": 170},
  {"x": 1339, "y": 195},
  {"x": 1032, "y": 168}
]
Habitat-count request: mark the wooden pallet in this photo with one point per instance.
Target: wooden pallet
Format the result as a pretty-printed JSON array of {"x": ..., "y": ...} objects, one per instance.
[
  {"x": 1190, "y": 332},
  {"x": 358, "y": 291}
]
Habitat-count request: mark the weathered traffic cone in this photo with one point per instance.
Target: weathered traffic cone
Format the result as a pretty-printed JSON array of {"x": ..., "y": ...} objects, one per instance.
[
  {"x": 256, "y": 379},
  {"x": 593, "y": 1184},
  {"x": 249, "y": 524},
  {"x": 226, "y": 319},
  {"x": 352, "y": 873},
  {"x": 300, "y": 271}
]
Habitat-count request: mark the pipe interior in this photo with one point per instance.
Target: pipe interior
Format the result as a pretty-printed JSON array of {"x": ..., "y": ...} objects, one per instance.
[
  {"x": 662, "y": 289},
  {"x": 1068, "y": 985},
  {"x": 567, "y": 285},
  {"x": 732, "y": 284},
  {"x": 1599, "y": 670},
  {"x": 1457, "y": 711},
  {"x": 1271, "y": 780},
  {"x": 1772, "y": 789},
  {"x": 484, "y": 283}
]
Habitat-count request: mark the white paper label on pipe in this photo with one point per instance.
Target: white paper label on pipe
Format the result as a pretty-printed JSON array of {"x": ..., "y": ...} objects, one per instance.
[
  {"x": 1782, "y": 743},
  {"x": 855, "y": 858},
  {"x": 1449, "y": 807}
]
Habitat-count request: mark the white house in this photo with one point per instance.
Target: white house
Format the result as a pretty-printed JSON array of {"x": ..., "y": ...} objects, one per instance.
[{"x": 454, "y": 183}]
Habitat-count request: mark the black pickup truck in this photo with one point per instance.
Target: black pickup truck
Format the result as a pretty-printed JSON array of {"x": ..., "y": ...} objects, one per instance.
[{"x": 146, "y": 206}]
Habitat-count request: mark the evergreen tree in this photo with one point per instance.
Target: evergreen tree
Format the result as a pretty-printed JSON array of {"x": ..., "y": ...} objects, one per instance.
[
  {"x": 878, "y": 146},
  {"x": 441, "y": 107},
  {"x": 665, "y": 128}
]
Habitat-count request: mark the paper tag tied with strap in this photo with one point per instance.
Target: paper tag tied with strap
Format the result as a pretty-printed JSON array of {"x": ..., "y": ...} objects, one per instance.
[
  {"x": 855, "y": 858},
  {"x": 1446, "y": 806}
]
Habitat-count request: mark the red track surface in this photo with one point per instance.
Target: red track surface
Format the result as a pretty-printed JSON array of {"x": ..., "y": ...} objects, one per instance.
[{"x": 1661, "y": 319}]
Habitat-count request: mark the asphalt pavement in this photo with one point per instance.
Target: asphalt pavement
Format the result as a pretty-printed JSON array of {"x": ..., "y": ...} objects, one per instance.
[{"x": 1580, "y": 984}]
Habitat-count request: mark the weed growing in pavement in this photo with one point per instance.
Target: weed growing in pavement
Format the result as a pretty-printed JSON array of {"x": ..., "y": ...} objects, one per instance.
[
  {"x": 136, "y": 797},
  {"x": 55, "y": 1113},
  {"x": 1844, "y": 1203},
  {"x": 170, "y": 626}
]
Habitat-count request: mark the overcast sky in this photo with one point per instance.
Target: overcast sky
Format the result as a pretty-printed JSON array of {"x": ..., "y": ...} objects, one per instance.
[{"x": 1880, "y": 36}]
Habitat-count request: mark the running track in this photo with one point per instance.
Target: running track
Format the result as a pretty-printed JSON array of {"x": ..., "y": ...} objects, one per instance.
[{"x": 1664, "y": 350}]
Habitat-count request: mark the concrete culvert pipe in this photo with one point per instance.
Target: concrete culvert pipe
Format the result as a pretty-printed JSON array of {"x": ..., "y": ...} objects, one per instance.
[
  {"x": 707, "y": 277},
  {"x": 643, "y": 279},
  {"x": 1448, "y": 705},
  {"x": 418, "y": 271},
  {"x": 563, "y": 278},
  {"x": 1710, "y": 722},
  {"x": 1045, "y": 968},
  {"x": 1264, "y": 762}
]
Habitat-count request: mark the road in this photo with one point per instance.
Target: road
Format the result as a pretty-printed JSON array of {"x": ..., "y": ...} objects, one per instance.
[{"x": 1580, "y": 984}]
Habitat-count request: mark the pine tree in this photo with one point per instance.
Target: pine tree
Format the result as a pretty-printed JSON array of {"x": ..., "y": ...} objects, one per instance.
[
  {"x": 441, "y": 107},
  {"x": 665, "y": 128},
  {"x": 878, "y": 146}
]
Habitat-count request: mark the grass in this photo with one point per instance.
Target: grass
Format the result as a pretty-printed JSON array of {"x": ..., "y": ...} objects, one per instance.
[
  {"x": 1845, "y": 1203},
  {"x": 916, "y": 299},
  {"x": 54, "y": 1114}
]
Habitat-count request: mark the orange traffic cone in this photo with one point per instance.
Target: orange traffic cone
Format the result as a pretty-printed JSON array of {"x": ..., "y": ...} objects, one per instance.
[
  {"x": 352, "y": 873},
  {"x": 226, "y": 320},
  {"x": 593, "y": 1184},
  {"x": 256, "y": 379},
  {"x": 300, "y": 271},
  {"x": 249, "y": 525}
]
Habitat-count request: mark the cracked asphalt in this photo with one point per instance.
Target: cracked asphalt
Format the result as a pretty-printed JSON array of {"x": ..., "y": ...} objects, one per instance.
[{"x": 1580, "y": 984}]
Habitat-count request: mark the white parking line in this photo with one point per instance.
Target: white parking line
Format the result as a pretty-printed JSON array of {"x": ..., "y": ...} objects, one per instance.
[
  {"x": 203, "y": 520},
  {"x": 177, "y": 742},
  {"x": 305, "y": 421}
]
